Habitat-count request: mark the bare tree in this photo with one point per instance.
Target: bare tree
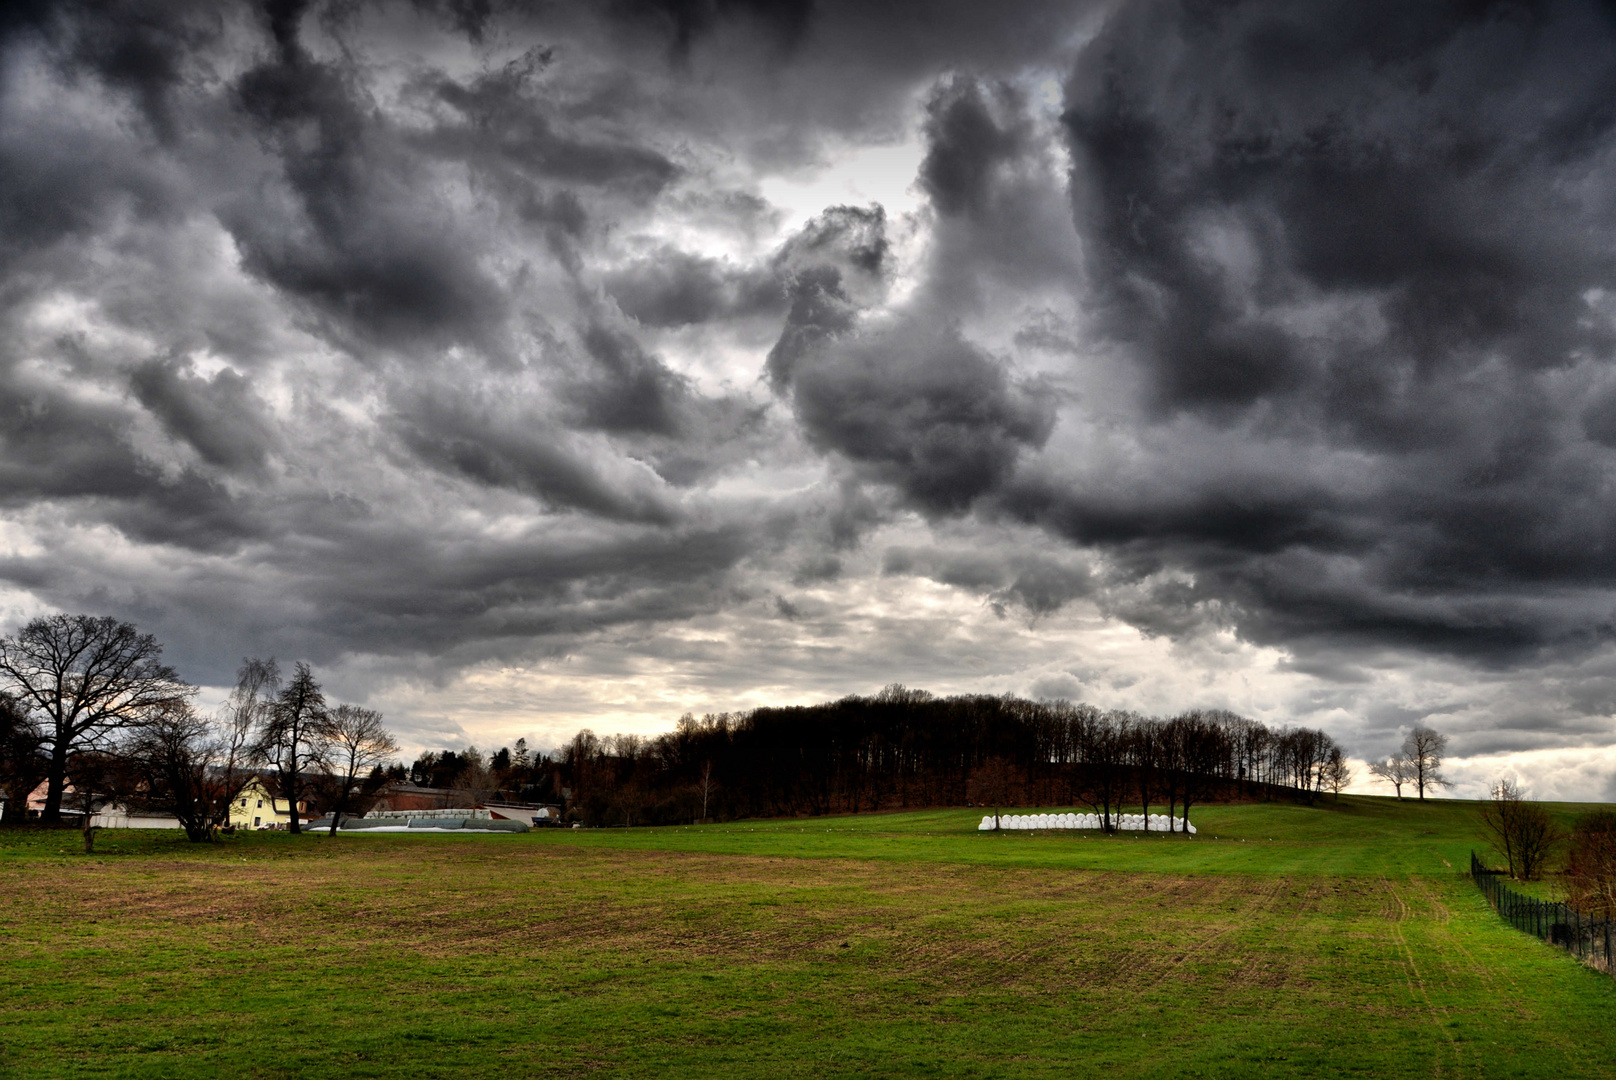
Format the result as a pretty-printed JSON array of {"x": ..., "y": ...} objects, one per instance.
[
  {"x": 1590, "y": 874},
  {"x": 354, "y": 744},
  {"x": 98, "y": 778},
  {"x": 244, "y": 715},
  {"x": 179, "y": 756},
  {"x": 288, "y": 738},
  {"x": 87, "y": 677},
  {"x": 1337, "y": 773},
  {"x": 1143, "y": 737},
  {"x": 22, "y": 758},
  {"x": 1395, "y": 771},
  {"x": 1537, "y": 838},
  {"x": 1207, "y": 749},
  {"x": 1520, "y": 830},
  {"x": 1103, "y": 746},
  {"x": 993, "y": 783},
  {"x": 706, "y": 786},
  {"x": 1424, "y": 749},
  {"x": 474, "y": 782}
]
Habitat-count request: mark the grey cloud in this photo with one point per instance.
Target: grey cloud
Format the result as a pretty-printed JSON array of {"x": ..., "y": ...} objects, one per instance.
[
  {"x": 675, "y": 288},
  {"x": 1003, "y": 215},
  {"x": 354, "y": 583},
  {"x": 1355, "y": 261},
  {"x": 911, "y": 401},
  {"x": 139, "y": 50},
  {"x": 1337, "y": 150},
  {"x": 63, "y": 186},
  {"x": 1344, "y": 231},
  {"x": 220, "y": 417},
  {"x": 685, "y": 20},
  {"x": 974, "y": 132},
  {"x": 494, "y": 444},
  {"x": 834, "y": 268},
  {"x": 630, "y": 390},
  {"x": 57, "y": 448},
  {"x": 919, "y": 407},
  {"x": 1036, "y": 585},
  {"x": 353, "y": 236},
  {"x": 508, "y": 122}
]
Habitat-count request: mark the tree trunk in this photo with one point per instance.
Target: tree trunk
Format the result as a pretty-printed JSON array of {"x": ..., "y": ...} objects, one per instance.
[
  {"x": 342, "y": 804},
  {"x": 52, "y": 814},
  {"x": 295, "y": 826}
]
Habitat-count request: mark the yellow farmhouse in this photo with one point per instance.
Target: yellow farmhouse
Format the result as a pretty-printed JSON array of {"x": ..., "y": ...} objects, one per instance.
[{"x": 255, "y": 807}]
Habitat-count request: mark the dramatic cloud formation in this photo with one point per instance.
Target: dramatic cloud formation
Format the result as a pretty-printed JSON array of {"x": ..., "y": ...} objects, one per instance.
[{"x": 529, "y": 367}]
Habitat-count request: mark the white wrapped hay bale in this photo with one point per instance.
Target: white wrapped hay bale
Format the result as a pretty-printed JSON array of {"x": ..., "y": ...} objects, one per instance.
[{"x": 1163, "y": 823}]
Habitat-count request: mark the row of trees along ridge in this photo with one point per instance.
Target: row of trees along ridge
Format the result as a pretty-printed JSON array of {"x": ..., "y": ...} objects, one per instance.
[
  {"x": 906, "y": 748},
  {"x": 88, "y": 707}
]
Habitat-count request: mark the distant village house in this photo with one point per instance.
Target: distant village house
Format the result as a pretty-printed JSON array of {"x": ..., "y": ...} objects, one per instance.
[{"x": 255, "y": 806}]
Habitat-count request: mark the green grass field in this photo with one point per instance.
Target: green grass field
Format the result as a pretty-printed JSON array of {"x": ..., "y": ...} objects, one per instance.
[{"x": 1338, "y": 940}]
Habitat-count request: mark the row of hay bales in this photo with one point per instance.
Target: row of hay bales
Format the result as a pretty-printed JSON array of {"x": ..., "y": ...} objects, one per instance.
[
  {"x": 462, "y": 820},
  {"x": 1128, "y": 822},
  {"x": 443, "y": 825}
]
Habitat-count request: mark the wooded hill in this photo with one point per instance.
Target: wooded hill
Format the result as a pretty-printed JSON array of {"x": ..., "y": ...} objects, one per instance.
[{"x": 908, "y": 749}]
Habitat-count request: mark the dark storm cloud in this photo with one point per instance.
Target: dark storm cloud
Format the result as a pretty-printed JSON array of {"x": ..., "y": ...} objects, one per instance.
[
  {"x": 969, "y": 144},
  {"x": 1420, "y": 154},
  {"x": 221, "y": 417},
  {"x": 357, "y": 236},
  {"x": 139, "y": 50},
  {"x": 58, "y": 448},
  {"x": 64, "y": 186},
  {"x": 54, "y": 449},
  {"x": 632, "y": 391},
  {"x": 1033, "y": 584},
  {"x": 342, "y": 204},
  {"x": 685, "y": 20},
  {"x": 391, "y": 329},
  {"x": 919, "y": 407},
  {"x": 677, "y": 288},
  {"x": 1001, "y": 218},
  {"x": 499, "y": 447},
  {"x": 1379, "y": 232},
  {"x": 906, "y": 397},
  {"x": 508, "y": 125}
]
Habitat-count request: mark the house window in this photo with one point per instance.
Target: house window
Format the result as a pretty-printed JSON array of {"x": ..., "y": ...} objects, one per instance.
[
  {"x": 244, "y": 804},
  {"x": 257, "y": 822},
  {"x": 260, "y": 804}
]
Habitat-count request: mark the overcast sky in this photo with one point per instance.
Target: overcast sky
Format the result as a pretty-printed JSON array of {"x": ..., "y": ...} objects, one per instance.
[{"x": 533, "y": 367}]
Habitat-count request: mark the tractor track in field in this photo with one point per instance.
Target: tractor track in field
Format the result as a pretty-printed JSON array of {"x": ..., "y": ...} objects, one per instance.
[{"x": 1417, "y": 987}]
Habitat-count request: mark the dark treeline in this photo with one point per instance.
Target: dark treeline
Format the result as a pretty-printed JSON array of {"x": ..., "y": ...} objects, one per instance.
[
  {"x": 519, "y": 775},
  {"x": 907, "y": 749}
]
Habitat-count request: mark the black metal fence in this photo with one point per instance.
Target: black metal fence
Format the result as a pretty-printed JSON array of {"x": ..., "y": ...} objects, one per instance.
[{"x": 1589, "y": 938}]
